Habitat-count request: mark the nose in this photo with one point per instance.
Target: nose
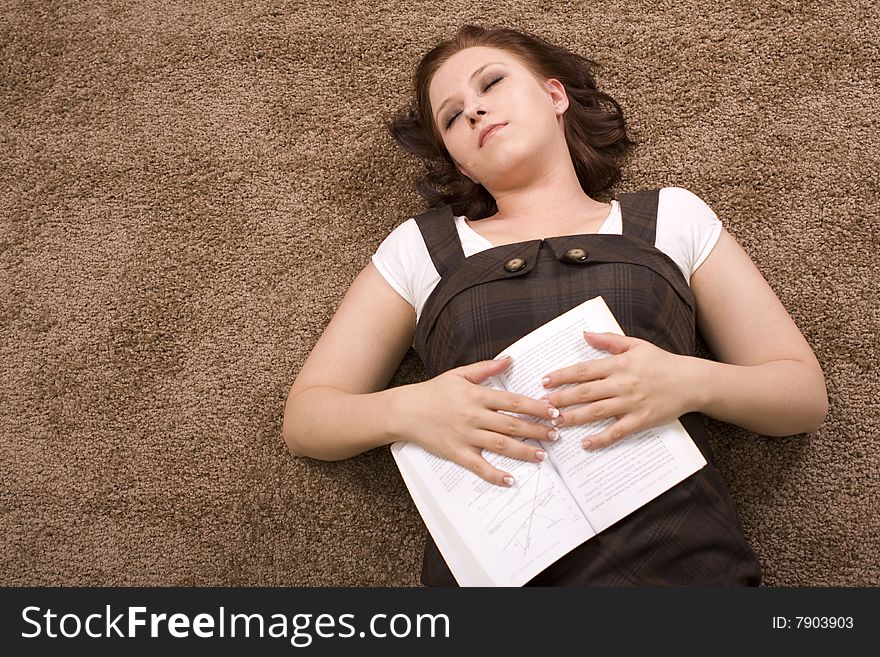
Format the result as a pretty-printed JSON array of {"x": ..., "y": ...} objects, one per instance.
[{"x": 474, "y": 112}]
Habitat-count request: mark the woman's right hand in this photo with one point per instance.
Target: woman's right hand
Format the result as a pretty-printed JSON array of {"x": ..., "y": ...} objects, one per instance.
[{"x": 454, "y": 417}]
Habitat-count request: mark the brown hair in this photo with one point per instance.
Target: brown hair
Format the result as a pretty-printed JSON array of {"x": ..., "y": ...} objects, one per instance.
[{"x": 595, "y": 129}]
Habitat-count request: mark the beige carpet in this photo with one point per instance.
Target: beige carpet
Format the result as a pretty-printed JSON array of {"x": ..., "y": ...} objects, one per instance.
[{"x": 187, "y": 188}]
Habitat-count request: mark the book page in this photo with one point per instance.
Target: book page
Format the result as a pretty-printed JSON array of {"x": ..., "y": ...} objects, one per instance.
[
  {"x": 491, "y": 535},
  {"x": 612, "y": 482},
  {"x": 609, "y": 483}
]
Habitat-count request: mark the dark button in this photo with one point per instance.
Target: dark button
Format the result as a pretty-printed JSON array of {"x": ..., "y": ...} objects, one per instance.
[
  {"x": 576, "y": 255},
  {"x": 514, "y": 265}
]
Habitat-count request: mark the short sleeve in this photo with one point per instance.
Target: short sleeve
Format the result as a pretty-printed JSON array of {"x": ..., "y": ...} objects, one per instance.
[
  {"x": 404, "y": 262},
  {"x": 391, "y": 260},
  {"x": 687, "y": 228}
]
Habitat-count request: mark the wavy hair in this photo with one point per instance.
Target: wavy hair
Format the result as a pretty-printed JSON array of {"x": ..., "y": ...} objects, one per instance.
[{"x": 595, "y": 129}]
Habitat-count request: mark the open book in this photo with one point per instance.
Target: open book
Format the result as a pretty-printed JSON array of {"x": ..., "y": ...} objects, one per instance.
[{"x": 490, "y": 535}]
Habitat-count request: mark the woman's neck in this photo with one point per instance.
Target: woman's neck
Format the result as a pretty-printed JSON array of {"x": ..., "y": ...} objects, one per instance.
[
  {"x": 573, "y": 220},
  {"x": 548, "y": 211},
  {"x": 546, "y": 201}
]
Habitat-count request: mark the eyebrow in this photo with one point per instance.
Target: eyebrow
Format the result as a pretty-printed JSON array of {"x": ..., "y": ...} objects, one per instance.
[{"x": 473, "y": 75}]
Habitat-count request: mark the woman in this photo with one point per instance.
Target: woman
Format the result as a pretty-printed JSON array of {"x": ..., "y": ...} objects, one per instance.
[{"x": 518, "y": 140}]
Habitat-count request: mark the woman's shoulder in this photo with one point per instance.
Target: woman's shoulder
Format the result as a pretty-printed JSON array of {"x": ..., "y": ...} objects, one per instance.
[
  {"x": 401, "y": 238},
  {"x": 679, "y": 206},
  {"x": 682, "y": 198},
  {"x": 687, "y": 228},
  {"x": 405, "y": 227},
  {"x": 402, "y": 259}
]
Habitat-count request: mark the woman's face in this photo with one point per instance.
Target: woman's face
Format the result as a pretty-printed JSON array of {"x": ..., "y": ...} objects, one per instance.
[{"x": 479, "y": 87}]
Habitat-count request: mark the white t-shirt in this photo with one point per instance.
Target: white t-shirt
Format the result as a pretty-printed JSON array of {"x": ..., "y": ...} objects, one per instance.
[{"x": 687, "y": 230}]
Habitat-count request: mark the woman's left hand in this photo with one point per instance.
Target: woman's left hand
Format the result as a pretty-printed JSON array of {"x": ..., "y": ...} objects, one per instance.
[{"x": 640, "y": 384}]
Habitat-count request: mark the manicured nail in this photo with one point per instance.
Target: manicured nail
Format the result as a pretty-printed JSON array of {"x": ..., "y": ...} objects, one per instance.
[
  {"x": 553, "y": 435},
  {"x": 587, "y": 444},
  {"x": 540, "y": 455},
  {"x": 545, "y": 381},
  {"x": 508, "y": 481},
  {"x": 553, "y": 411}
]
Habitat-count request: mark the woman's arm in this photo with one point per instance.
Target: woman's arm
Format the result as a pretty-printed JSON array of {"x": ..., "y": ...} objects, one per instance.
[
  {"x": 330, "y": 413},
  {"x": 769, "y": 380},
  {"x": 337, "y": 407}
]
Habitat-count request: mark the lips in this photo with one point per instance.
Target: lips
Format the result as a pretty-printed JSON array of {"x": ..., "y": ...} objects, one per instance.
[{"x": 488, "y": 130}]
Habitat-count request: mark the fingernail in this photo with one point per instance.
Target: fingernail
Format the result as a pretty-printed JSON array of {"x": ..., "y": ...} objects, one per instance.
[
  {"x": 587, "y": 444},
  {"x": 540, "y": 454},
  {"x": 557, "y": 422},
  {"x": 545, "y": 381},
  {"x": 553, "y": 435},
  {"x": 508, "y": 481},
  {"x": 553, "y": 411}
]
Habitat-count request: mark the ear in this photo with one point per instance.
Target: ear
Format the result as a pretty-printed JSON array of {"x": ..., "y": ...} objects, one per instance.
[{"x": 557, "y": 94}]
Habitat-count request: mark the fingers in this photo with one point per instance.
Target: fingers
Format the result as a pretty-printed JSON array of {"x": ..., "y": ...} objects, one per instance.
[
  {"x": 593, "y": 412},
  {"x": 499, "y": 444},
  {"x": 482, "y": 370},
  {"x": 614, "y": 343},
  {"x": 611, "y": 343},
  {"x": 503, "y": 434},
  {"x": 507, "y": 446},
  {"x": 624, "y": 427},
  {"x": 511, "y": 425},
  {"x": 585, "y": 393},
  {"x": 511, "y": 402},
  {"x": 474, "y": 461},
  {"x": 589, "y": 370}
]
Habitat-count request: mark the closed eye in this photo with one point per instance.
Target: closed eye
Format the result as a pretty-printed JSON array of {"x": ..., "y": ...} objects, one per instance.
[
  {"x": 498, "y": 79},
  {"x": 485, "y": 89}
]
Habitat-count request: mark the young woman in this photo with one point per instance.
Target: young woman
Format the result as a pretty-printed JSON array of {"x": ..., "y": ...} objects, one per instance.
[{"x": 517, "y": 141}]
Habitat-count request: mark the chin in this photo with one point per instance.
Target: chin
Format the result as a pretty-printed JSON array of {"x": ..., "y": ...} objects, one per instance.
[{"x": 507, "y": 159}]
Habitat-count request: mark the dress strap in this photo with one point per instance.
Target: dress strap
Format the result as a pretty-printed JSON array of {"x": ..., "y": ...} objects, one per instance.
[
  {"x": 638, "y": 212},
  {"x": 441, "y": 237}
]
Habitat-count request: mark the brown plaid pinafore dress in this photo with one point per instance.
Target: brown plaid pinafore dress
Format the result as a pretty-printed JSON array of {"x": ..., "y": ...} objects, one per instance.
[{"x": 688, "y": 536}]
